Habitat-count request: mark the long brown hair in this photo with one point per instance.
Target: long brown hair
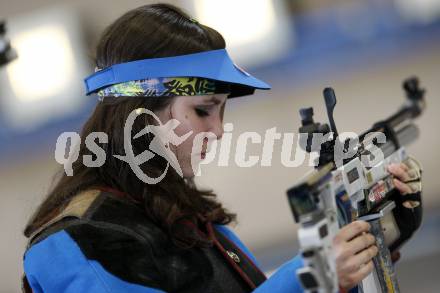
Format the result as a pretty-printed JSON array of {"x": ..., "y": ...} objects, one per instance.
[{"x": 149, "y": 31}]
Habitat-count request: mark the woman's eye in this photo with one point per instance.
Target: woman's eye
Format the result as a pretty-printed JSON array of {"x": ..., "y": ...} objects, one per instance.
[{"x": 201, "y": 112}]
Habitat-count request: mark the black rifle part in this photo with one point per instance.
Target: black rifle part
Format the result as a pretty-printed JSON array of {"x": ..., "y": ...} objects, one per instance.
[
  {"x": 7, "y": 54},
  {"x": 398, "y": 128}
]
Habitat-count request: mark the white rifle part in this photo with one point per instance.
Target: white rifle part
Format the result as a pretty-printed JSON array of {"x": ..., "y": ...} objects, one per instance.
[
  {"x": 315, "y": 236},
  {"x": 358, "y": 182},
  {"x": 319, "y": 272}
]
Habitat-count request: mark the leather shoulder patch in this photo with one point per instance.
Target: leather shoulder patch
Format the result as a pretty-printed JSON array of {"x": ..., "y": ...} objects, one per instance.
[
  {"x": 76, "y": 208},
  {"x": 79, "y": 204}
]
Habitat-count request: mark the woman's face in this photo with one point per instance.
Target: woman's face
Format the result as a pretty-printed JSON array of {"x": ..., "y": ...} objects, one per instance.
[{"x": 197, "y": 114}]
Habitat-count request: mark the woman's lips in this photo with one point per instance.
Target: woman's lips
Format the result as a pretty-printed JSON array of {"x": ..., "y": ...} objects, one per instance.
[{"x": 206, "y": 146}]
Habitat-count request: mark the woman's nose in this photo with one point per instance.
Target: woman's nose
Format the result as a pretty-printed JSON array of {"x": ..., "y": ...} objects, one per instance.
[{"x": 217, "y": 128}]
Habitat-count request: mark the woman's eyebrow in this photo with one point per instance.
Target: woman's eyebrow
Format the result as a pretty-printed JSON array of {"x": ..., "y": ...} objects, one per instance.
[{"x": 214, "y": 99}]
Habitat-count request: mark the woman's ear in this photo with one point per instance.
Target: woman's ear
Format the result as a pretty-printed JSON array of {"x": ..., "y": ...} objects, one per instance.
[{"x": 166, "y": 113}]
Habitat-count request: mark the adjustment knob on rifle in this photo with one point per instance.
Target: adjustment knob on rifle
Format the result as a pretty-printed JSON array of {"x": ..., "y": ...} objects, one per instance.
[
  {"x": 412, "y": 89},
  {"x": 310, "y": 127},
  {"x": 415, "y": 95},
  {"x": 306, "y": 115}
]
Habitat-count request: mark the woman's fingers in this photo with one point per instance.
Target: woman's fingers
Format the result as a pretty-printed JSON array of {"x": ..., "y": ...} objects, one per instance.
[
  {"x": 350, "y": 278},
  {"x": 405, "y": 189},
  {"x": 363, "y": 257},
  {"x": 405, "y": 167},
  {"x": 347, "y": 253},
  {"x": 354, "y": 248},
  {"x": 400, "y": 171},
  {"x": 361, "y": 242},
  {"x": 402, "y": 187},
  {"x": 362, "y": 273},
  {"x": 407, "y": 180},
  {"x": 351, "y": 230}
]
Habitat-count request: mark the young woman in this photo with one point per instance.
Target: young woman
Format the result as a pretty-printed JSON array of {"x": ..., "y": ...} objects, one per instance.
[{"x": 106, "y": 230}]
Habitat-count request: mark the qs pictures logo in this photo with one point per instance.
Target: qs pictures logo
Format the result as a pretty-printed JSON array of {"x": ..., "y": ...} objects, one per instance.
[
  {"x": 205, "y": 147},
  {"x": 164, "y": 135}
]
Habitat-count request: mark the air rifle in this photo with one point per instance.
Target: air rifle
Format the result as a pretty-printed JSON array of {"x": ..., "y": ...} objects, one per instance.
[{"x": 351, "y": 182}]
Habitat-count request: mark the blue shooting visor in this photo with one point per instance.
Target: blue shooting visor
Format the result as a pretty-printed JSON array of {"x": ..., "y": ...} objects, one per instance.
[{"x": 215, "y": 65}]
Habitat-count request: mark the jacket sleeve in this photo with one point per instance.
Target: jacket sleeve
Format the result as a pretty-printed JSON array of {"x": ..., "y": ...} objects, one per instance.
[
  {"x": 57, "y": 265},
  {"x": 284, "y": 280}
]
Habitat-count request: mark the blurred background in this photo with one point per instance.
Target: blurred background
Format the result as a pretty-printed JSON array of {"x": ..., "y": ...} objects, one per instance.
[{"x": 362, "y": 48}]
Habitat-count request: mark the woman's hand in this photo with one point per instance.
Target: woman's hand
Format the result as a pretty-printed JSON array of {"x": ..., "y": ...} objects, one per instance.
[
  {"x": 408, "y": 212},
  {"x": 407, "y": 180},
  {"x": 354, "y": 249}
]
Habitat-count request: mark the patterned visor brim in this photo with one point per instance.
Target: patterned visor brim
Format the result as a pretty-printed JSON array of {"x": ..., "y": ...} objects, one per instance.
[{"x": 165, "y": 87}]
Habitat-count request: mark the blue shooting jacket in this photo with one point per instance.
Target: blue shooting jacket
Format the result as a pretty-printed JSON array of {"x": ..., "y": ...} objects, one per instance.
[{"x": 102, "y": 243}]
